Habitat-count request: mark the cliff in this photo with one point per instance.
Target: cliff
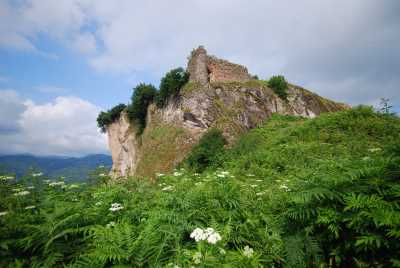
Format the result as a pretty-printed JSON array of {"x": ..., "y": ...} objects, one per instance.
[{"x": 219, "y": 94}]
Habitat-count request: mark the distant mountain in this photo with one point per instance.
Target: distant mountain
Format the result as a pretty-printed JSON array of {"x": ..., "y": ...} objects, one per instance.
[{"x": 73, "y": 168}]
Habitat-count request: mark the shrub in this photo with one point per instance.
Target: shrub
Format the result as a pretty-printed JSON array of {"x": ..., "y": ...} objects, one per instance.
[
  {"x": 279, "y": 86},
  {"x": 106, "y": 118},
  {"x": 171, "y": 84},
  {"x": 143, "y": 95},
  {"x": 207, "y": 152}
]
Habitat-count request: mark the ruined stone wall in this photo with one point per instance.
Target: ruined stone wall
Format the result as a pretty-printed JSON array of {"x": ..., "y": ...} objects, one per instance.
[
  {"x": 197, "y": 66},
  {"x": 225, "y": 71},
  {"x": 204, "y": 69}
]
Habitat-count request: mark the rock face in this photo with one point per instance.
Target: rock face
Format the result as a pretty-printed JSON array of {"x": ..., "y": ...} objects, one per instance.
[{"x": 219, "y": 94}]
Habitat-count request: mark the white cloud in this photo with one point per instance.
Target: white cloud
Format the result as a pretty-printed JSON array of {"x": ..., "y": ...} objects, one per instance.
[{"x": 66, "y": 126}]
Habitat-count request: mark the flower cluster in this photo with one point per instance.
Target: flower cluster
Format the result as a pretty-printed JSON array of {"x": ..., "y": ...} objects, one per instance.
[
  {"x": 22, "y": 193},
  {"x": 223, "y": 174},
  {"x": 6, "y": 178},
  {"x": 111, "y": 224},
  {"x": 168, "y": 188},
  {"x": 3, "y": 213},
  {"x": 208, "y": 234},
  {"x": 116, "y": 207},
  {"x": 285, "y": 188},
  {"x": 248, "y": 251},
  {"x": 58, "y": 183}
]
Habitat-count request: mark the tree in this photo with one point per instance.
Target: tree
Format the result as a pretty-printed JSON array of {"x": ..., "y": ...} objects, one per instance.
[
  {"x": 171, "y": 84},
  {"x": 279, "y": 86},
  {"x": 143, "y": 95},
  {"x": 106, "y": 118}
]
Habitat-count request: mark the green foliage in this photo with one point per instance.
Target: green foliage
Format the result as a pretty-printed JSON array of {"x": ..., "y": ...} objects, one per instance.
[
  {"x": 207, "y": 152},
  {"x": 106, "y": 118},
  {"x": 295, "y": 192},
  {"x": 143, "y": 95},
  {"x": 279, "y": 86},
  {"x": 171, "y": 84}
]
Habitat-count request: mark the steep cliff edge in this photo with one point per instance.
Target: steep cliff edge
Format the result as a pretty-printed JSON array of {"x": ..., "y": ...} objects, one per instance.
[{"x": 219, "y": 94}]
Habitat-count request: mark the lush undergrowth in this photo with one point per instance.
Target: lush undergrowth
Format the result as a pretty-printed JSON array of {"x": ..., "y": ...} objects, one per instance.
[{"x": 293, "y": 193}]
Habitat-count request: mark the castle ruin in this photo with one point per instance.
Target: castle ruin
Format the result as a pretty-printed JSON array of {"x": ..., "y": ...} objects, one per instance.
[{"x": 205, "y": 69}]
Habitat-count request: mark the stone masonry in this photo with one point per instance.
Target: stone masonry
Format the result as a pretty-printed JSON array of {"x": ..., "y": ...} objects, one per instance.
[{"x": 204, "y": 69}]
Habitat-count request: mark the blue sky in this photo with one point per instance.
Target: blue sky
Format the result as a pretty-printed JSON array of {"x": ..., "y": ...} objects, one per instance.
[{"x": 61, "y": 62}]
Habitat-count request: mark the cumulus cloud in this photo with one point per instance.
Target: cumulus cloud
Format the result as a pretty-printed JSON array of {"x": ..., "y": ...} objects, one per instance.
[
  {"x": 346, "y": 50},
  {"x": 66, "y": 126}
]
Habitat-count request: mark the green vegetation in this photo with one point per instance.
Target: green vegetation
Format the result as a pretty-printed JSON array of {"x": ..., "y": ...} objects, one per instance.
[
  {"x": 106, "y": 118},
  {"x": 171, "y": 85},
  {"x": 279, "y": 86},
  {"x": 207, "y": 152},
  {"x": 143, "y": 95},
  {"x": 295, "y": 192}
]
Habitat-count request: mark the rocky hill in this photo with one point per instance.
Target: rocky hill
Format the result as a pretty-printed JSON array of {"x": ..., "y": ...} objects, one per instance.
[{"x": 220, "y": 95}]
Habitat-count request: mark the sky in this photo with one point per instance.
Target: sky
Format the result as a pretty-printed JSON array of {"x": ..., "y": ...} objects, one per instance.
[{"x": 62, "y": 62}]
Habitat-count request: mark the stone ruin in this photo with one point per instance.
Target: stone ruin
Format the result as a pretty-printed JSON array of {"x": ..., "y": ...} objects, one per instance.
[{"x": 205, "y": 69}]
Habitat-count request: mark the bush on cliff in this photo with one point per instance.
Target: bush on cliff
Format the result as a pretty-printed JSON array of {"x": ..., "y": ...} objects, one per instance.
[
  {"x": 143, "y": 95},
  {"x": 207, "y": 152},
  {"x": 171, "y": 84},
  {"x": 279, "y": 86},
  {"x": 106, "y": 118}
]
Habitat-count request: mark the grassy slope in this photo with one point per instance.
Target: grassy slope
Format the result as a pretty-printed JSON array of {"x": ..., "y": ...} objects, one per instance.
[{"x": 285, "y": 190}]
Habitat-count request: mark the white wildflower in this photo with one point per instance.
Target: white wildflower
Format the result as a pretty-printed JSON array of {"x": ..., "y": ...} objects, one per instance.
[
  {"x": 248, "y": 251},
  {"x": 177, "y": 173},
  {"x": 160, "y": 174},
  {"x": 115, "y": 207},
  {"x": 6, "y": 178},
  {"x": 37, "y": 174},
  {"x": 56, "y": 183},
  {"x": 3, "y": 213},
  {"x": 22, "y": 193},
  {"x": 222, "y": 251},
  {"x": 197, "y": 257},
  {"x": 208, "y": 234},
  {"x": 284, "y": 187},
  {"x": 198, "y": 235},
  {"x": 214, "y": 238},
  {"x": 373, "y": 150},
  {"x": 110, "y": 224},
  {"x": 168, "y": 188},
  {"x": 30, "y": 207},
  {"x": 73, "y": 186}
]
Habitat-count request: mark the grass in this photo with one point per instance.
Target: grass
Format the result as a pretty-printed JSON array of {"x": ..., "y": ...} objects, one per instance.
[{"x": 294, "y": 192}]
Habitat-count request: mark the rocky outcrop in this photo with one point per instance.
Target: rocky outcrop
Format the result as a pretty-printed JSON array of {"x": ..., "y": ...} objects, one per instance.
[{"x": 232, "y": 106}]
